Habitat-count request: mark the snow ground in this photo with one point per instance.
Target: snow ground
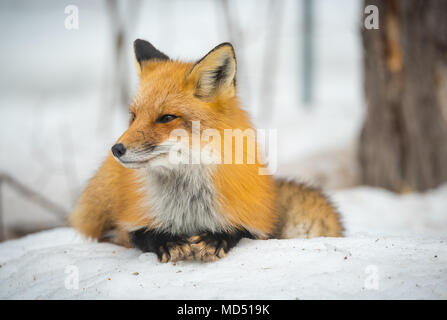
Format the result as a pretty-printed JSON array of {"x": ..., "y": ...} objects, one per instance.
[{"x": 385, "y": 255}]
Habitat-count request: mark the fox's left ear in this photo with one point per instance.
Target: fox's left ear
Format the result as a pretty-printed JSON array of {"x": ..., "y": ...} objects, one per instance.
[
  {"x": 213, "y": 76},
  {"x": 145, "y": 51}
]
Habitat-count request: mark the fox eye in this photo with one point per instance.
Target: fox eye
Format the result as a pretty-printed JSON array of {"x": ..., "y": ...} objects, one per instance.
[
  {"x": 166, "y": 118},
  {"x": 132, "y": 116}
]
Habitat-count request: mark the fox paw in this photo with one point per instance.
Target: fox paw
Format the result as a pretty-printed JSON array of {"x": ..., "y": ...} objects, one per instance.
[
  {"x": 209, "y": 247},
  {"x": 175, "y": 251}
]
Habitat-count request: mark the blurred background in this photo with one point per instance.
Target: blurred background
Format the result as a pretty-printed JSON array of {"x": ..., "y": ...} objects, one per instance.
[{"x": 68, "y": 75}]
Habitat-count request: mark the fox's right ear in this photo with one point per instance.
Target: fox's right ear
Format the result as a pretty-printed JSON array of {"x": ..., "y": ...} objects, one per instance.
[{"x": 145, "y": 51}]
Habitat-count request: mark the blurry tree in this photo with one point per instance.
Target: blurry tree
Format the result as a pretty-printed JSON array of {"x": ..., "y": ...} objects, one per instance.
[
  {"x": 237, "y": 37},
  {"x": 307, "y": 50},
  {"x": 403, "y": 144},
  {"x": 120, "y": 77},
  {"x": 123, "y": 18},
  {"x": 270, "y": 58}
]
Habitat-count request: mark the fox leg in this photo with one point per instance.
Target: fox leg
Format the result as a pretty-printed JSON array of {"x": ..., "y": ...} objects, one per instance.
[
  {"x": 167, "y": 247},
  {"x": 211, "y": 246}
]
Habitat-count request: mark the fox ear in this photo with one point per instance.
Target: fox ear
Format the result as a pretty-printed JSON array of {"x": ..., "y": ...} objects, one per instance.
[
  {"x": 215, "y": 74},
  {"x": 145, "y": 51}
]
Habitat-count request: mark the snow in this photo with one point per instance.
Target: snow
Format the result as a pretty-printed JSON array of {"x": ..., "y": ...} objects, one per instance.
[{"x": 385, "y": 255}]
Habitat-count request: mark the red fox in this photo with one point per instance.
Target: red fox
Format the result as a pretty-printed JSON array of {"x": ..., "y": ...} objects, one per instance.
[{"x": 182, "y": 211}]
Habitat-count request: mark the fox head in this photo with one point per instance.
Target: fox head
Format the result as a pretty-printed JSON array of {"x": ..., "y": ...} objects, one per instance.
[{"x": 171, "y": 96}]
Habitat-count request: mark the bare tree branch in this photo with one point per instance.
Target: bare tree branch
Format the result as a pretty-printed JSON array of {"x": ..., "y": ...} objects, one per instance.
[
  {"x": 34, "y": 196},
  {"x": 120, "y": 76}
]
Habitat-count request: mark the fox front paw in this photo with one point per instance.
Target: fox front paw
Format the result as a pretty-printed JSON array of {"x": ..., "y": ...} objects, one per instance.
[
  {"x": 174, "y": 251},
  {"x": 207, "y": 247},
  {"x": 167, "y": 247}
]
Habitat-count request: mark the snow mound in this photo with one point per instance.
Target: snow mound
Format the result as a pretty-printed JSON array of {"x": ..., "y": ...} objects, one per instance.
[{"x": 395, "y": 248}]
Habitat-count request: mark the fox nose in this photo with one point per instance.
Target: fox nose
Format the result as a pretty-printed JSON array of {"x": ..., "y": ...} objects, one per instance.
[{"x": 118, "y": 150}]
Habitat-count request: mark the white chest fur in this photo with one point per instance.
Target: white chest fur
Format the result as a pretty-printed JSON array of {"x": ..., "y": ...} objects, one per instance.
[{"x": 183, "y": 200}]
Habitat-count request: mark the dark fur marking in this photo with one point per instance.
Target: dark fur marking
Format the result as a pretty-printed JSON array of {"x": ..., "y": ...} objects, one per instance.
[
  {"x": 153, "y": 241},
  {"x": 145, "y": 51},
  {"x": 222, "y": 240},
  {"x": 222, "y": 72},
  {"x": 218, "y": 75}
]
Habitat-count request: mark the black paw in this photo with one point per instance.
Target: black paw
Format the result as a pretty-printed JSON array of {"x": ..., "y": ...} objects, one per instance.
[{"x": 166, "y": 247}]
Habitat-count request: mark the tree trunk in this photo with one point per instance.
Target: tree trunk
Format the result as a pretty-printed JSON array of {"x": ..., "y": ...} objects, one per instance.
[{"x": 403, "y": 144}]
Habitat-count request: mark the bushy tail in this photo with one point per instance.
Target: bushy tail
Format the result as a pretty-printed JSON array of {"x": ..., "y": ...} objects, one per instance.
[{"x": 305, "y": 212}]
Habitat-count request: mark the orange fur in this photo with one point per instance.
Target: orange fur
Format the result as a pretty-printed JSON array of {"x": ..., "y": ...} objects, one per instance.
[
  {"x": 113, "y": 203},
  {"x": 112, "y": 198},
  {"x": 110, "y": 202}
]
